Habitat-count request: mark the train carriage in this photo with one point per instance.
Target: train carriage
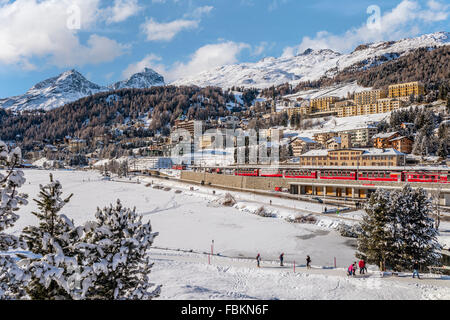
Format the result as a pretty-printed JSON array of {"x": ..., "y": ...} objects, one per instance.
[
  {"x": 247, "y": 172},
  {"x": 427, "y": 177},
  {"x": 271, "y": 173},
  {"x": 300, "y": 174},
  {"x": 338, "y": 175},
  {"x": 380, "y": 176}
]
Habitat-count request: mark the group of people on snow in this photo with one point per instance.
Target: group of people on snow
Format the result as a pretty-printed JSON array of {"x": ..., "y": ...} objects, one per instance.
[
  {"x": 351, "y": 271},
  {"x": 258, "y": 260}
]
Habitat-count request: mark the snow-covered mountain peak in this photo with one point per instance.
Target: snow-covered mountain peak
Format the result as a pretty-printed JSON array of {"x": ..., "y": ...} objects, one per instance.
[
  {"x": 54, "y": 92},
  {"x": 141, "y": 80},
  {"x": 70, "y": 79},
  {"x": 311, "y": 51}
]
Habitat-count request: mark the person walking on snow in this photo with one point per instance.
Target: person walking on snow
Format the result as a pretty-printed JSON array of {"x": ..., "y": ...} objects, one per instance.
[
  {"x": 362, "y": 266},
  {"x": 416, "y": 270},
  {"x": 308, "y": 262},
  {"x": 258, "y": 260},
  {"x": 281, "y": 259}
]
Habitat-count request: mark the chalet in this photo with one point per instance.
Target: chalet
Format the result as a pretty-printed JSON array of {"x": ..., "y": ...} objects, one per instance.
[
  {"x": 383, "y": 140},
  {"x": 402, "y": 144}
]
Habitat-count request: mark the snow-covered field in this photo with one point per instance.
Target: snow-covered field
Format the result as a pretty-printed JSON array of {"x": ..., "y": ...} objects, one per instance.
[{"x": 190, "y": 220}]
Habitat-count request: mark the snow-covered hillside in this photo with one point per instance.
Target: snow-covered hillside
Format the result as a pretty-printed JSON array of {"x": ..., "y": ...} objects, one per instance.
[
  {"x": 268, "y": 71},
  {"x": 309, "y": 65},
  {"x": 146, "y": 79},
  {"x": 340, "y": 90}
]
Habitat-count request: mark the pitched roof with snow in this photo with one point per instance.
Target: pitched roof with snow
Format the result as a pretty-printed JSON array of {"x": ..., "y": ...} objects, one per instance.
[
  {"x": 335, "y": 139},
  {"x": 384, "y": 135},
  {"x": 305, "y": 139},
  {"x": 400, "y": 138}
]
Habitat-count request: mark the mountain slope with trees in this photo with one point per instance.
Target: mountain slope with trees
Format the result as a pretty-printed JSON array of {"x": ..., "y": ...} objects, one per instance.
[{"x": 432, "y": 67}]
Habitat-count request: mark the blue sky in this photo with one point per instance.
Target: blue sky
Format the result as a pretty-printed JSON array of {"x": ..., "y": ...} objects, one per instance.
[{"x": 109, "y": 40}]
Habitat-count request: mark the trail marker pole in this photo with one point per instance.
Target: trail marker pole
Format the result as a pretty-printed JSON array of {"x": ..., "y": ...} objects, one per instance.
[
  {"x": 335, "y": 262},
  {"x": 209, "y": 259},
  {"x": 294, "y": 266}
]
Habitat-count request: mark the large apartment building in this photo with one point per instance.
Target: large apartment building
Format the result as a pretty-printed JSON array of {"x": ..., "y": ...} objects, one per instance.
[
  {"x": 353, "y": 157},
  {"x": 322, "y": 104},
  {"x": 380, "y": 106},
  {"x": 415, "y": 88},
  {"x": 369, "y": 97}
]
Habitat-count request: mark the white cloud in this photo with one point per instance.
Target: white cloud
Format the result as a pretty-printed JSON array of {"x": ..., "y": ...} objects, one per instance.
[
  {"x": 207, "y": 57},
  {"x": 97, "y": 50},
  {"x": 197, "y": 13},
  {"x": 166, "y": 31},
  {"x": 150, "y": 61},
  {"x": 38, "y": 29},
  {"x": 262, "y": 47},
  {"x": 122, "y": 10},
  {"x": 402, "y": 21}
]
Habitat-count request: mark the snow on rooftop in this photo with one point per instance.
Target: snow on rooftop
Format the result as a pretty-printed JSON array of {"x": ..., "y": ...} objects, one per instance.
[{"x": 384, "y": 135}]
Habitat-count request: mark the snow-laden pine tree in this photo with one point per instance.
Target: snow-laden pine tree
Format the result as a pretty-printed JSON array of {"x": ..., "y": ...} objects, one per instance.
[
  {"x": 415, "y": 232},
  {"x": 398, "y": 230},
  {"x": 12, "y": 278},
  {"x": 54, "y": 261},
  {"x": 114, "y": 257},
  {"x": 376, "y": 242}
]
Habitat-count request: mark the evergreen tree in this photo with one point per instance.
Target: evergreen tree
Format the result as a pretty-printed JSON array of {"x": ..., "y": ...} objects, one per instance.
[
  {"x": 12, "y": 278},
  {"x": 414, "y": 231},
  {"x": 397, "y": 230},
  {"x": 375, "y": 243},
  {"x": 113, "y": 256},
  {"x": 51, "y": 242}
]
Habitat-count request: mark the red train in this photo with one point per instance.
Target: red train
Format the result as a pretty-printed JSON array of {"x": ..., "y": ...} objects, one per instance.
[
  {"x": 247, "y": 172},
  {"x": 361, "y": 175}
]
